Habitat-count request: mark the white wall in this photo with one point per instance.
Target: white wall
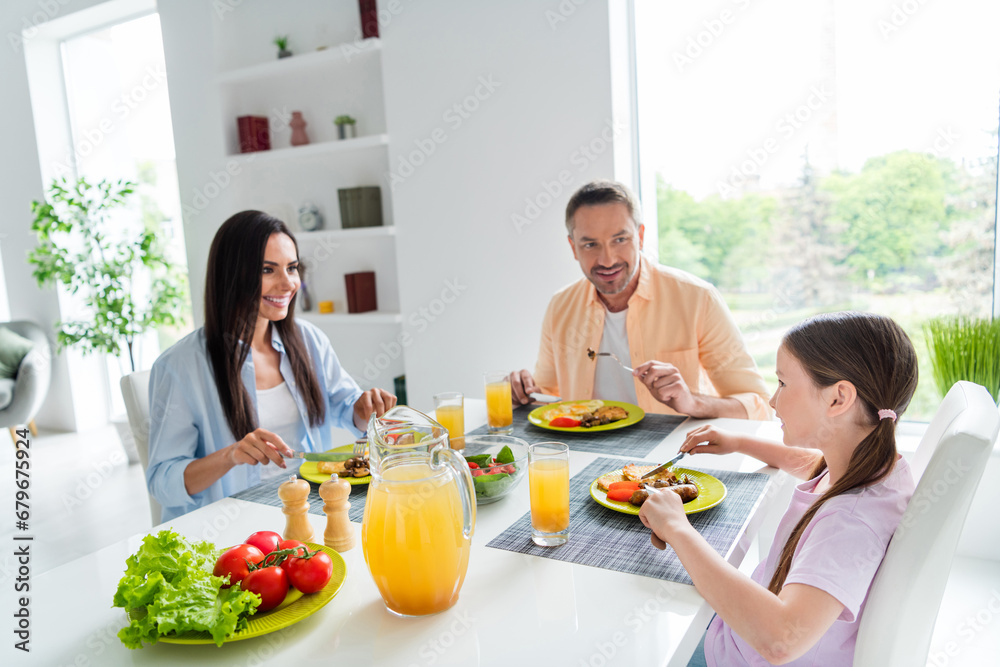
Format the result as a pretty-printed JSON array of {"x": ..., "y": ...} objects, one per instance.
[{"x": 546, "y": 97}]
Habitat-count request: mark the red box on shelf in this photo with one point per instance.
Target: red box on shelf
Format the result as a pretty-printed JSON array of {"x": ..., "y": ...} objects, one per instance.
[
  {"x": 369, "y": 18},
  {"x": 254, "y": 134},
  {"x": 361, "y": 296}
]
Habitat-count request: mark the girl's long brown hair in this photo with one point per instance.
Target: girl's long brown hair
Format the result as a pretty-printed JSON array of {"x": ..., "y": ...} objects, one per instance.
[
  {"x": 232, "y": 300},
  {"x": 874, "y": 354}
]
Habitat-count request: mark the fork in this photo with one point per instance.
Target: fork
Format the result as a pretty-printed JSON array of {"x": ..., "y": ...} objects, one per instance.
[
  {"x": 360, "y": 446},
  {"x": 610, "y": 354}
]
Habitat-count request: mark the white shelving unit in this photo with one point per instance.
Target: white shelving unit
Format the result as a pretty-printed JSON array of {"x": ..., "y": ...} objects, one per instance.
[{"x": 321, "y": 81}]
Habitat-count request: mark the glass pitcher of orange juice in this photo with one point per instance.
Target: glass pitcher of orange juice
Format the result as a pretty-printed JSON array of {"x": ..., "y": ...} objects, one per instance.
[{"x": 420, "y": 513}]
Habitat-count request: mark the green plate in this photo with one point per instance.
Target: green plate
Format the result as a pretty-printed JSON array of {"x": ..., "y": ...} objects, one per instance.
[
  {"x": 635, "y": 415},
  {"x": 711, "y": 492},
  {"x": 309, "y": 471},
  {"x": 284, "y": 614}
]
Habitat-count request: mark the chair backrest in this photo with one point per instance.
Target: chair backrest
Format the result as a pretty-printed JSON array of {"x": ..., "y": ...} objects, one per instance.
[
  {"x": 135, "y": 391},
  {"x": 905, "y": 596}
]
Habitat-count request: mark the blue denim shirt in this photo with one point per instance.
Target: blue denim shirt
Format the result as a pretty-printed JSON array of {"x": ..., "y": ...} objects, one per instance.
[{"x": 187, "y": 421}]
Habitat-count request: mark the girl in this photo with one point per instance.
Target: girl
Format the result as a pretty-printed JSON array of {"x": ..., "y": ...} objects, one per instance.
[
  {"x": 843, "y": 380},
  {"x": 228, "y": 401}
]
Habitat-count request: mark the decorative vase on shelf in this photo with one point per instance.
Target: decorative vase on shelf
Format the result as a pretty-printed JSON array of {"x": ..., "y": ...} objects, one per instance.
[{"x": 298, "y": 125}]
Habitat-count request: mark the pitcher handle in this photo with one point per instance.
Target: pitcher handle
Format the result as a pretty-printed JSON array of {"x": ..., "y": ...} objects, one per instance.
[{"x": 466, "y": 489}]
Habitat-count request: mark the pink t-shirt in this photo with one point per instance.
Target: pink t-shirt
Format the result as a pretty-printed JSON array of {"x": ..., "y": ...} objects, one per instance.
[{"x": 839, "y": 552}]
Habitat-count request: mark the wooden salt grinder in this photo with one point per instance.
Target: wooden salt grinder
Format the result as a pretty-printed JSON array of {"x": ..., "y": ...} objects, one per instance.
[
  {"x": 294, "y": 496},
  {"x": 339, "y": 533}
]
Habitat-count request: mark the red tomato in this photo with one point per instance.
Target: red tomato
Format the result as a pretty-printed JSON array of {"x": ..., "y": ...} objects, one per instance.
[
  {"x": 290, "y": 544},
  {"x": 310, "y": 574},
  {"x": 476, "y": 473},
  {"x": 234, "y": 562},
  {"x": 621, "y": 495},
  {"x": 265, "y": 540},
  {"x": 624, "y": 485},
  {"x": 270, "y": 583},
  {"x": 473, "y": 465},
  {"x": 509, "y": 468},
  {"x": 564, "y": 422}
]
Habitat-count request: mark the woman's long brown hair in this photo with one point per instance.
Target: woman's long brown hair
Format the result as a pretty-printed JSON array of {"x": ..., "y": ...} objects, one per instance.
[
  {"x": 232, "y": 301},
  {"x": 874, "y": 354}
]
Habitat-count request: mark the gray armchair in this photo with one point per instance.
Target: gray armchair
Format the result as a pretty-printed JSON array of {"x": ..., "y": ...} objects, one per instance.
[{"x": 21, "y": 397}]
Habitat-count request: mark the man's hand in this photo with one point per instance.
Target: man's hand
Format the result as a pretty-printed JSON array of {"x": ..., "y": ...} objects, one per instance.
[
  {"x": 666, "y": 384},
  {"x": 375, "y": 400},
  {"x": 522, "y": 385}
]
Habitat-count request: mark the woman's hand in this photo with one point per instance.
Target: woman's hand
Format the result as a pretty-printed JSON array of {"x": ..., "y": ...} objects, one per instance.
[
  {"x": 259, "y": 446},
  {"x": 710, "y": 440},
  {"x": 663, "y": 513},
  {"x": 377, "y": 401}
]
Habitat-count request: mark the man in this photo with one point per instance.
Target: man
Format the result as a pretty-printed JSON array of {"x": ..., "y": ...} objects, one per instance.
[{"x": 671, "y": 327}]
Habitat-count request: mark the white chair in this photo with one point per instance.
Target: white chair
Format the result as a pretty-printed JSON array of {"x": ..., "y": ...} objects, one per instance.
[
  {"x": 135, "y": 391},
  {"x": 903, "y": 603}
]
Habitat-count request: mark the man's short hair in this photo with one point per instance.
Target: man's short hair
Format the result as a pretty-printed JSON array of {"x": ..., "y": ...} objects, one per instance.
[{"x": 598, "y": 192}]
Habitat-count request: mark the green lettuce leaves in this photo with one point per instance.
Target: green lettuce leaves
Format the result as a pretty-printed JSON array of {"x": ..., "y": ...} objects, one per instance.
[{"x": 169, "y": 587}]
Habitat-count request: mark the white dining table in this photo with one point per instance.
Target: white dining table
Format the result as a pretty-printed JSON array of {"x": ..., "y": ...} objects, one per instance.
[{"x": 514, "y": 609}]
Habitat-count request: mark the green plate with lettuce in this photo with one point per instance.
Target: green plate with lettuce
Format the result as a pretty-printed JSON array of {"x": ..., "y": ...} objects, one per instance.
[{"x": 171, "y": 596}]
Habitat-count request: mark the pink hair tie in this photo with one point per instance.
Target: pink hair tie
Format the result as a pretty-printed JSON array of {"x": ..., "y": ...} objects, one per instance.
[{"x": 886, "y": 414}]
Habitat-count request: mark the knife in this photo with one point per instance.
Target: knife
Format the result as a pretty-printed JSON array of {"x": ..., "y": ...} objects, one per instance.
[
  {"x": 666, "y": 465},
  {"x": 544, "y": 398},
  {"x": 322, "y": 456}
]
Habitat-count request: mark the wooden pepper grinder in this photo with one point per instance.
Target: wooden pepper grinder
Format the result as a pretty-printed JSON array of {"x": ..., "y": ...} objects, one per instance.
[
  {"x": 339, "y": 533},
  {"x": 294, "y": 495}
]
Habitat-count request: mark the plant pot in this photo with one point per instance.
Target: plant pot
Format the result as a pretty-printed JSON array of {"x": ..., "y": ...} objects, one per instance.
[
  {"x": 347, "y": 131},
  {"x": 284, "y": 53}
]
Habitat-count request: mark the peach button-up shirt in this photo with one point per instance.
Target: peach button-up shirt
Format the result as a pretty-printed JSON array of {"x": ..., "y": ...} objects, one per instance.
[{"x": 673, "y": 317}]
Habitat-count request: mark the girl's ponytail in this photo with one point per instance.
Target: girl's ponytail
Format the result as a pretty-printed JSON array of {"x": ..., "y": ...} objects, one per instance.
[{"x": 874, "y": 354}]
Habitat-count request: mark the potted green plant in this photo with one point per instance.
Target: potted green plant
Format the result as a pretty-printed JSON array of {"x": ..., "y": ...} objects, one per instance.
[
  {"x": 281, "y": 41},
  {"x": 89, "y": 242},
  {"x": 346, "y": 127},
  {"x": 965, "y": 348}
]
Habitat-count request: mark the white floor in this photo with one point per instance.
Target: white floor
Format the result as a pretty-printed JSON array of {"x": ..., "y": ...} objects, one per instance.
[{"x": 84, "y": 495}]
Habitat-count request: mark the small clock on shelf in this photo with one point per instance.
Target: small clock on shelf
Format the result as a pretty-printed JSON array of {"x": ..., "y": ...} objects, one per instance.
[{"x": 310, "y": 218}]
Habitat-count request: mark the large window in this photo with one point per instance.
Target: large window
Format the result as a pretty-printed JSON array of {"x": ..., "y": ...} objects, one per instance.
[
  {"x": 827, "y": 155},
  {"x": 119, "y": 115}
]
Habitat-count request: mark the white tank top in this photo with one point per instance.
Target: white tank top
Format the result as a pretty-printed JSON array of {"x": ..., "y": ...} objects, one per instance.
[{"x": 277, "y": 412}]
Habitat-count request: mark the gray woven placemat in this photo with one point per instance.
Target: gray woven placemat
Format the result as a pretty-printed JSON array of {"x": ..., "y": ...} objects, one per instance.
[
  {"x": 266, "y": 493},
  {"x": 633, "y": 441},
  {"x": 614, "y": 541}
]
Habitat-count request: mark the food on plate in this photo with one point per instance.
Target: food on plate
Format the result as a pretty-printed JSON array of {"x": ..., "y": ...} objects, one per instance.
[
  {"x": 353, "y": 467},
  {"x": 169, "y": 580},
  {"x": 575, "y": 410},
  {"x": 604, "y": 415},
  {"x": 309, "y": 571},
  {"x": 565, "y": 422},
  {"x": 235, "y": 563},
  {"x": 270, "y": 583},
  {"x": 687, "y": 490},
  {"x": 265, "y": 540},
  {"x": 629, "y": 481}
]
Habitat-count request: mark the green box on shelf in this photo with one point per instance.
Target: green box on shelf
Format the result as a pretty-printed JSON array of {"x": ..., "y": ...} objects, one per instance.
[{"x": 360, "y": 207}]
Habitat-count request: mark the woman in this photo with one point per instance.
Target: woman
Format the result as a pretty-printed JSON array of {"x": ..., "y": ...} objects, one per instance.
[{"x": 229, "y": 401}]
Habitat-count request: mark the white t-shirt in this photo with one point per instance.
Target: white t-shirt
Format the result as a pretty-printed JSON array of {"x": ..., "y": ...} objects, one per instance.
[
  {"x": 277, "y": 412},
  {"x": 611, "y": 381}
]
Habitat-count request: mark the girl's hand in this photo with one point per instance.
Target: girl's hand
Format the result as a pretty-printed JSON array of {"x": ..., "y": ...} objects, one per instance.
[
  {"x": 710, "y": 440},
  {"x": 663, "y": 513},
  {"x": 259, "y": 446}
]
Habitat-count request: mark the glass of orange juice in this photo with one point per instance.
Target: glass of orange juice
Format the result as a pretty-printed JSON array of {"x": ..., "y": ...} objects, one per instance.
[
  {"x": 449, "y": 411},
  {"x": 548, "y": 481},
  {"x": 499, "y": 408}
]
